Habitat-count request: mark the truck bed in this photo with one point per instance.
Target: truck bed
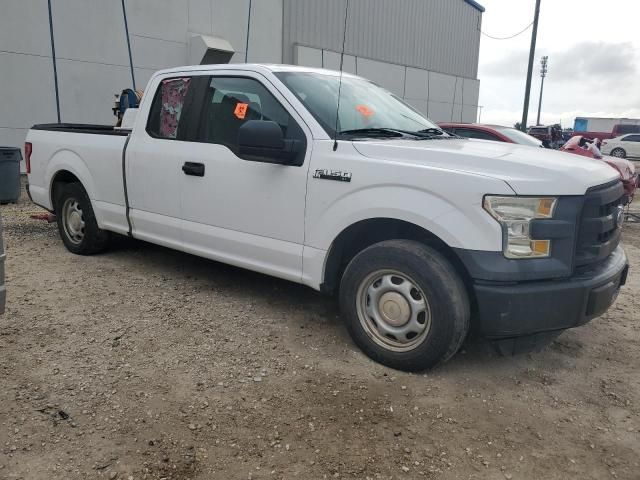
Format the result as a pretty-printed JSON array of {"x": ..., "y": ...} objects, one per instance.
[{"x": 82, "y": 128}]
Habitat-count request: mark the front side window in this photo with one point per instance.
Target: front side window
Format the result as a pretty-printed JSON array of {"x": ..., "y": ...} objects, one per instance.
[
  {"x": 232, "y": 101},
  {"x": 363, "y": 104},
  {"x": 632, "y": 138},
  {"x": 168, "y": 105}
]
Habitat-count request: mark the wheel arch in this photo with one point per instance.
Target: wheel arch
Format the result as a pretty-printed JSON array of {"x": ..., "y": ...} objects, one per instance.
[
  {"x": 364, "y": 233},
  {"x": 61, "y": 177},
  {"x": 67, "y": 166}
]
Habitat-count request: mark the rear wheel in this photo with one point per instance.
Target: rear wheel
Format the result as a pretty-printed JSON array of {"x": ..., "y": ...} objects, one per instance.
[
  {"x": 77, "y": 223},
  {"x": 619, "y": 152},
  {"x": 404, "y": 305}
]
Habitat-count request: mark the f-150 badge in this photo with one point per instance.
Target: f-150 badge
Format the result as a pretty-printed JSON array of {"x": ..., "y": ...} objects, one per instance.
[{"x": 337, "y": 175}]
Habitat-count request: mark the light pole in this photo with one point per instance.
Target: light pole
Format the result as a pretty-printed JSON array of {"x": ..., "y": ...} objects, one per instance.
[
  {"x": 543, "y": 73},
  {"x": 532, "y": 50}
]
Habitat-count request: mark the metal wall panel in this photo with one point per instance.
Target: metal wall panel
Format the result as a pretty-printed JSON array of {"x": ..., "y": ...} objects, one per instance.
[{"x": 436, "y": 35}]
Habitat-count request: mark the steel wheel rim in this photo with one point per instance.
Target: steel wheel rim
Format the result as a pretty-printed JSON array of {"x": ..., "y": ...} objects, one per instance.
[
  {"x": 73, "y": 221},
  {"x": 393, "y": 310}
]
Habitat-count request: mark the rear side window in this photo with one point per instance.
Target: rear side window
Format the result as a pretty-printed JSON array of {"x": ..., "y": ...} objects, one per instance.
[
  {"x": 480, "y": 134},
  {"x": 232, "y": 101},
  {"x": 167, "y": 109}
]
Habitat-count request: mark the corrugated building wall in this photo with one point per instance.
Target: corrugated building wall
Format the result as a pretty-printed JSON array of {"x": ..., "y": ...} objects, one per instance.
[
  {"x": 437, "y": 35},
  {"x": 425, "y": 51}
]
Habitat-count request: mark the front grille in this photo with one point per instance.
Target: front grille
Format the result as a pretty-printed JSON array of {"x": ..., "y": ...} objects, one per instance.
[{"x": 599, "y": 230}]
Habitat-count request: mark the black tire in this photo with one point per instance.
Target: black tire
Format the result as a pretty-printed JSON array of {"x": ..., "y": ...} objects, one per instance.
[
  {"x": 436, "y": 279},
  {"x": 619, "y": 152},
  {"x": 93, "y": 239}
]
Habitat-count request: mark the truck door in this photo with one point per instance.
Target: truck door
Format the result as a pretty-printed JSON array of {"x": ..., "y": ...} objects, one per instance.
[
  {"x": 155, "y": 155},
  {"x": 247, "y": 213}
]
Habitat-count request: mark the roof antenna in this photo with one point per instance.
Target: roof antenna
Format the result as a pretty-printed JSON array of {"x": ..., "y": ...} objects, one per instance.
[{"x": 344, "y": 39}]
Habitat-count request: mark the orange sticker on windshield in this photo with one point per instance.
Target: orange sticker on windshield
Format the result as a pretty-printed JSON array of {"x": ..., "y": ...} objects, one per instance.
[
  {"x": 364, "y": 110},
  {"x": 241, "y": 110}
]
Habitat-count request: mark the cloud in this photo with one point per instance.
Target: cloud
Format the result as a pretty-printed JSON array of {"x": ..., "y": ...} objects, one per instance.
[
  {"x": 513, "y": 64},
  {"x": 583, "y": 61},
  {"x": 601, "y": 60},
  {"x": 586, "y": 78}
]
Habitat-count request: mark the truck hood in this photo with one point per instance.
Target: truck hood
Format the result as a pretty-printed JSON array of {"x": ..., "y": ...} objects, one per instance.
[{"x": 527, "y": 170}]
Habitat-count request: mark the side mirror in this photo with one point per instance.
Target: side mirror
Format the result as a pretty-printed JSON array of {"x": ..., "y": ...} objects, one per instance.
[{"x": 263, "y": 141}]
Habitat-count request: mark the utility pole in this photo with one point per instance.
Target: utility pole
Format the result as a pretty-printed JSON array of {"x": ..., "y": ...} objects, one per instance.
[
  {"x": 543, "y": 73},
  {"x": 246, "y": 48},
  {"x": 532, "y": 51}
]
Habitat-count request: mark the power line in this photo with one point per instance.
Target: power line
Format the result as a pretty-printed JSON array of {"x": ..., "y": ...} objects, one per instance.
[{"x": 509, "y": 37}]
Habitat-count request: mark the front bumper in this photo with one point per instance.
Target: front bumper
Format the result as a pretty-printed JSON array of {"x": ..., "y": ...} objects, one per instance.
[{"x": 509, "y": 310}]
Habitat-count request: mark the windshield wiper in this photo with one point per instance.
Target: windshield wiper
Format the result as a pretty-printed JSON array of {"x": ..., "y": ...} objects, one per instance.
[
  {"x": 432, "y": 131},
  {"x": 377, "y": 132}
]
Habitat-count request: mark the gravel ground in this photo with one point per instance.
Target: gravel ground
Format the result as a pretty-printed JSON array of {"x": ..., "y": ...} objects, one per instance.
[{"x": 148, "y": 363}]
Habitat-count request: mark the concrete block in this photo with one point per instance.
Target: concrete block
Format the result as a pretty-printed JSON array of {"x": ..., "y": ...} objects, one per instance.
[
  {"x": 87, "y": 90},
  {"x": 157, "y": 54},
  {"x": 386, "y": 75},
  {"x": 307, "y": 57},
  {"x": 230, "y": 21},
  {"x": 90, "y": 30},
  {"x": 331, "y": 61},
  {"x": 416, "y": 83},
  {"x": 27, "y": 94},
  {"x": 265, "y": 38},
  {"x": 200, "y": 16},
  {"x": 16, "y": 17},
  {"x": 441, "y": 87},
  {"x": 440, "y": 111},
  {"x": 420, "y": 105},
  {"x": 165, "y": 19}
]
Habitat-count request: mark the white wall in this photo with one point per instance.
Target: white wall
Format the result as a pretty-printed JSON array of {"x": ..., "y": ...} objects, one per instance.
[
  {"x": 442, "y": 98},
  {"x": 93, "y": 61},
  {"x": 92, "y": 55}
]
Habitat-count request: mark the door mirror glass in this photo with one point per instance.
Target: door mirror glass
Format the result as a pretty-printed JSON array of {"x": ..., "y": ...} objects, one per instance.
[{"x": 263, "y": 141}]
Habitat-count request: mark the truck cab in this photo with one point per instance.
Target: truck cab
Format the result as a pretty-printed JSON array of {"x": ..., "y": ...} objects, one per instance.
[{"x": 326, "y": 179}]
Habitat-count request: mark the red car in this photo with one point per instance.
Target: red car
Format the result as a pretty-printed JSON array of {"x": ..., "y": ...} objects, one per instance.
[
  {"x": 625, "y": 168},
  {"x": 496, "y": 133}
]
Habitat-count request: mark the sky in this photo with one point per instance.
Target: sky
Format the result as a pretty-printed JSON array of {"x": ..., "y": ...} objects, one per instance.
[{"x": 594, "y": 60}]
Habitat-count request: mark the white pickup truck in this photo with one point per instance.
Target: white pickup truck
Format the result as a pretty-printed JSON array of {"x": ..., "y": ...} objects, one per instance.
[{"x": 422, "y": 234}]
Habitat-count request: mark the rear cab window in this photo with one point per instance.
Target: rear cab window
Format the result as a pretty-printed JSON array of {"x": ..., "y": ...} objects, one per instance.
[{"x": 167, "y": 107}]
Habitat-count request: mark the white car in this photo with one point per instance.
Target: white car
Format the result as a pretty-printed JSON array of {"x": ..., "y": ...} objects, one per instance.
[
  {"x": 420, "y": 233},
  {"x": 623, "y": 146}
]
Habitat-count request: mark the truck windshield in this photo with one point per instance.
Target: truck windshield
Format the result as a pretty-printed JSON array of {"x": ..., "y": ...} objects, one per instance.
[{"x": 364, "y": 107}]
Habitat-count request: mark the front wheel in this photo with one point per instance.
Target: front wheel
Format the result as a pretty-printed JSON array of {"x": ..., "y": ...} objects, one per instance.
[
  {"x": 404, "y": 305},
  {"x": 77, "y": 223},
  {"x": 619, "y": 153}
]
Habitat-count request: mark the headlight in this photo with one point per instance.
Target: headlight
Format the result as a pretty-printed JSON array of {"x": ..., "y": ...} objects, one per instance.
[{"x": 515, "y": 215}]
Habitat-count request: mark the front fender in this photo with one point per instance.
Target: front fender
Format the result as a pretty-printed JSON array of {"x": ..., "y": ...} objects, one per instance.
[{"x": 458, "y": 224}]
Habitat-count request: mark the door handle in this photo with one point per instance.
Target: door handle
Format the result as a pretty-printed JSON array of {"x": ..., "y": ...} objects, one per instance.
[{"x": 193, "y": 168}]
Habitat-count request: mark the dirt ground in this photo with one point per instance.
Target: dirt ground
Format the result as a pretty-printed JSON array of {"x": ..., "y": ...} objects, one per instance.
[{"x": 145, "y": 363}]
